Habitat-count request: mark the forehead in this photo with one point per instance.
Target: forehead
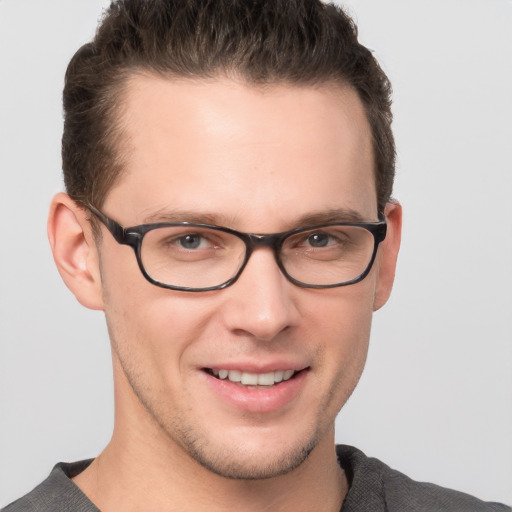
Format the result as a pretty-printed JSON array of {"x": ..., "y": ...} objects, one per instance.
[{"x": 243, "y": 153}]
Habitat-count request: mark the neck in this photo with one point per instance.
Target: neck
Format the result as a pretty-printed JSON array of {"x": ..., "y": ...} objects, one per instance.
[{"x": 126, "y": 479}]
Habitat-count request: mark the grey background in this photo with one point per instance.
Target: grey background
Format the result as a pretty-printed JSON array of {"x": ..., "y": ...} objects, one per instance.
[{"x": 435, "y": 400}]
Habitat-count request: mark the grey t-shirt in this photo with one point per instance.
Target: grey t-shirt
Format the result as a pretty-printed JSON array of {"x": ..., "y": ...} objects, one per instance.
[{"x": 374, "y": 487}]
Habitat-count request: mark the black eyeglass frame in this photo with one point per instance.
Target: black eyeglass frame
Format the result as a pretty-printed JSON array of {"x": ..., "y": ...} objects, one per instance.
[{"x": 134, "y": 235}]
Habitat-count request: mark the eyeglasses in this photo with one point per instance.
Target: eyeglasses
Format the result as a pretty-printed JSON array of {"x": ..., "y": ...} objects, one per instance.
[{"x": 200, "y": 257}]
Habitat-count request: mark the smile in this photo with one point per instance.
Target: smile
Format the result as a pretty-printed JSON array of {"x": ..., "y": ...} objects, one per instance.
[
  {"x": 261, "y": 392},
  {"x": 253, "y": 379}
]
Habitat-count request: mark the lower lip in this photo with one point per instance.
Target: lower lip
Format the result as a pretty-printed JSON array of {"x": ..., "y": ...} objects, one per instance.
[{"x": 258, "y": 400}]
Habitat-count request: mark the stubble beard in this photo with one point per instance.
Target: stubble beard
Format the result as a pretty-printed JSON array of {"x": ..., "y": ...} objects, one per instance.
[
  {"x": 236, "y": 464},
  {"x": 233, "y": 463},
  {"x": 229, "y": 460}
]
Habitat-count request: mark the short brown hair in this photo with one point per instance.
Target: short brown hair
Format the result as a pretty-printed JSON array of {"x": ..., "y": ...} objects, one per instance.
[{"x": 299, "y": 42}]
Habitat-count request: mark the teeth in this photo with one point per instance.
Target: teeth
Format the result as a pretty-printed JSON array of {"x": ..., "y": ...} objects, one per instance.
[
  {"x": 266, "y": 379},
  {"x": 287, "y": 374},
  {"x": 235, "y": 376},
  {"x": 249, "y": 379},
  {"x": 254, "y": 379}
]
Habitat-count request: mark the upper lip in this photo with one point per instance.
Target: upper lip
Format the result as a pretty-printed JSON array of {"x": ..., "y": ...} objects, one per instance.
[{"x": 254, "y": 367}]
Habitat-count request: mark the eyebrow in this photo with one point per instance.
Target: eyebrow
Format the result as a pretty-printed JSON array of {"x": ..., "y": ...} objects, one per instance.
[
  {"x": 194, "y": 217},
  {"x": 329, "y": 216}
]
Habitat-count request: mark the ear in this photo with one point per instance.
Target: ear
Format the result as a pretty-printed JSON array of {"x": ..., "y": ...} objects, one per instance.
[
  {"x": 74, "y": 250},
  {"x": 388, "y": 250}
]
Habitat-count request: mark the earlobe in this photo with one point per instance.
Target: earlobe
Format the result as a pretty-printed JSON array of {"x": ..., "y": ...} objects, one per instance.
[
  {"x": 74, "y": 251},
  {"x": 388, "y": 254}
]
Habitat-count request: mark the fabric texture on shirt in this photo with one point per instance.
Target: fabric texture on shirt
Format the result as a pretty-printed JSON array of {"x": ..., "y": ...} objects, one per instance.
[{"x": 374, "y": 487}]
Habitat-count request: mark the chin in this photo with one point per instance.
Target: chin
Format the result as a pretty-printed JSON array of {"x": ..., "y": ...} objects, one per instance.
[{"x": 242, "y": 462}]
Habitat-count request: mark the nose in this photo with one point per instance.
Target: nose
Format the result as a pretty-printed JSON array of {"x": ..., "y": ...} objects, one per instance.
[{"x": 261, "y": 303}]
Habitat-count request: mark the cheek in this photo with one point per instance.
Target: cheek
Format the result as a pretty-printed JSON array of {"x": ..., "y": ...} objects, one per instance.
[
  {"x": 342, "y": 329},
  {"x": 344, "y": 313},
  {"x": 150, "y": 327},
  {"x": 156, "y": 327}
]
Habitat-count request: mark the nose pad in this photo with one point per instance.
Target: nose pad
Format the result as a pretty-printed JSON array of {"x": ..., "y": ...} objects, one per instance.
[{"x": 261, "y": 302}]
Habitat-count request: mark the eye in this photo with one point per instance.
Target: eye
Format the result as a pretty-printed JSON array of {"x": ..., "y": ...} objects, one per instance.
[
  {"x": 323, "y": 240},
  {"x": 319, "y": 239},
  {"x": 186, "y": 242},
  {"x": 191, "y": 241}
]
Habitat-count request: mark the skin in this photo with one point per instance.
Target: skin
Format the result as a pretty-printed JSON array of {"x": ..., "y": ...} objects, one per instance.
[{"x": 256, "y": 160}]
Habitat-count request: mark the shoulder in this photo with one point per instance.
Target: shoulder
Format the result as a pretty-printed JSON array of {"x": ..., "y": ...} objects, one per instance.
[
  {"x": 374, "y": 486},
  {"x": 56, "y": 494}
]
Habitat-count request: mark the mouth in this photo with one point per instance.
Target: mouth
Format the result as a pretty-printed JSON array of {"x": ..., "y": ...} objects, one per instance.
[
  {"x": 254, "y": 380},
  {"x": 264, "y": 392}
]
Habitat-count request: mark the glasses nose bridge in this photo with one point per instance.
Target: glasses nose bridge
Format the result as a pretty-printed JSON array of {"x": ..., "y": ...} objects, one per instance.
[{"x": 255, "y": 241}]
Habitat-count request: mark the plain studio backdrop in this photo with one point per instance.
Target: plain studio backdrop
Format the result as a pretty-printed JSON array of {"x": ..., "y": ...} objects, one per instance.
[{"x": 435, "y": 400}]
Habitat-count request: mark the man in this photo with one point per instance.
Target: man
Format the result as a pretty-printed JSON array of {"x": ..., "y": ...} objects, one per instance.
[{"x": 249, "y": 144}]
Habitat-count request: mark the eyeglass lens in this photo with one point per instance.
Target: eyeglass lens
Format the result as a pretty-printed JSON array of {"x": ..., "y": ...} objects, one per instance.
[{"x": 197, "y": 257}]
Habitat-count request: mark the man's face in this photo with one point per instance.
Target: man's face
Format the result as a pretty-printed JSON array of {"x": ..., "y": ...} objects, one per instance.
[{"x": 256, "y": 160}]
